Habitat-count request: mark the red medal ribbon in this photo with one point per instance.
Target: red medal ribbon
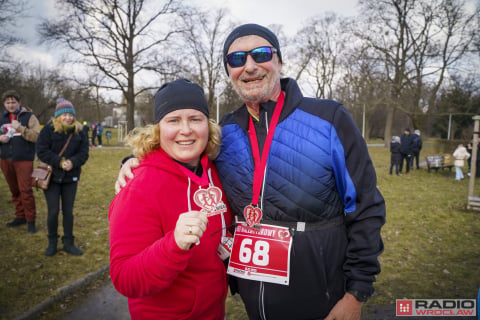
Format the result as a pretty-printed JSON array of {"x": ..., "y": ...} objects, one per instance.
[{"x": 261, "y": 163}]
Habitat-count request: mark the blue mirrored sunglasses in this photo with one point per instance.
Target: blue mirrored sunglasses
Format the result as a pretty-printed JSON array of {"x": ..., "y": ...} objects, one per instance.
[{"x": 261, "y": 54}]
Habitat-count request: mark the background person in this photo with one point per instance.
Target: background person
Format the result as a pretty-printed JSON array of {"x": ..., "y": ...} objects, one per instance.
[
  {"x": 417, "y": 145},
  {"x": 163, "y": 248},
  {"x": 86, "y": 129},
  {"x": 339, "y": 209},
  {"x": 395, "y": 155},
  {"x": 460, "y": 155},
  {"x": 99, "y": 133},
  {"x": 94, "y": 134},
  {"x": 406, "y": 149},
  {"x": 470, "y": 152},
  {"x": 63, "y": 129},
  {"x": 19, "y": 130}
]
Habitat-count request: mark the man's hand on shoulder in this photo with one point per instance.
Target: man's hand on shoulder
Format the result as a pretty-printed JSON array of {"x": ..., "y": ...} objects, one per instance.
[{"x": 125, "y": 173}]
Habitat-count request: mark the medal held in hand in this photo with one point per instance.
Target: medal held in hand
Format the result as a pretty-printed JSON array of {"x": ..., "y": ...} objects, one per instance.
[{"x": 210, "y": 200}]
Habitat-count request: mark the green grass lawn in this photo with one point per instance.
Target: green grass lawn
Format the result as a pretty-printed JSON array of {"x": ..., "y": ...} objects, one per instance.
[{"x": 432, "y": 244}]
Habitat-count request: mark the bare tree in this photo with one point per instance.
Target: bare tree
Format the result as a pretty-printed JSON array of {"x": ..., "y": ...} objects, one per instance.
[
  {"x": 204, "y": 34},
  {"x": 122, "y": 39},
  {"x": 9, "y": 11},
  {"x": 416, "y": 42},
  {"x": 321, "y": 45},
  {"x": 363, "y": 91}
]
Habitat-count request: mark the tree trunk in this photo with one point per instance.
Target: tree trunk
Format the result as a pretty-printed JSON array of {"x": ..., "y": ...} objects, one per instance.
[{"x": 387, "y": 135}]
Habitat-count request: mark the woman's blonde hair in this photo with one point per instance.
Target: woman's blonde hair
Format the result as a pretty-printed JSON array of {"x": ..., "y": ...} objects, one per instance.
[
  {"x": 144, "y": 140},
  {"x": 58, "y": 126}
]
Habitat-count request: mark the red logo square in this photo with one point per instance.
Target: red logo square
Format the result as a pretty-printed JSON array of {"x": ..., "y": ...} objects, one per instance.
[{"x": 404, "y": 307}]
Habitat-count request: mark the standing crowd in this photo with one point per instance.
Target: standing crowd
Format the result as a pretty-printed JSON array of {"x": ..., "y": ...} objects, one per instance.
[
  {"x": 97, "y": 131},
  {"x": 405, "y": 150}
]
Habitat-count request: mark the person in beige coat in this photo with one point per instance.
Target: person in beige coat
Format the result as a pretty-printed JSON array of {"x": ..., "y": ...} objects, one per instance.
[{"x": 460, "y": 155}]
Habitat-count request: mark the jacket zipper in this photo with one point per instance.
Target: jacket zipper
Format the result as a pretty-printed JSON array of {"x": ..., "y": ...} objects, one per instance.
[
  {"x": 261, "y": 292},
  {"x": 263, "y": 316}
]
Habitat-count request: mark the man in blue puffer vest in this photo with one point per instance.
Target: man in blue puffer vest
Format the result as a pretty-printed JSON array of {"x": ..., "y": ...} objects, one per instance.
[
  {"x": 305, "y": 167},
  {"x": 318, "y": 170}
]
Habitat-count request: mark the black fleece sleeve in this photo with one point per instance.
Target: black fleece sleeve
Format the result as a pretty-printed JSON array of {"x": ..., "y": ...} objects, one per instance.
[{"x": 364, "y": 223}]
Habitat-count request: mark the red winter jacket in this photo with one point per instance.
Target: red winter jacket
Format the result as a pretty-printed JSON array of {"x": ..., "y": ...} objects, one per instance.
[{"x": 161, "y": 280}]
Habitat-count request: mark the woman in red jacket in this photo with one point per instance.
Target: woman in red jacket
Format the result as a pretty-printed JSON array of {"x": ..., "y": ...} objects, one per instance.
[{"x": 168, "y": 226}]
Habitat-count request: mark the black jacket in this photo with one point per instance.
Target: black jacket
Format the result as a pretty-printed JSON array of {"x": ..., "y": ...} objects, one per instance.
[
  {"x": 396, "y": 156},
  {"x": 416, "y": 143},
  {"x": 18, "y": 148},
  {"x": 406, "y": 141},
  {"x": 49, "y": 145},
  {"x": 318, "y": 169}
]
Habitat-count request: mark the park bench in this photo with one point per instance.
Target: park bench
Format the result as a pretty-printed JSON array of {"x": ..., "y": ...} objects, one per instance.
[{"x": 439, "y": 162}]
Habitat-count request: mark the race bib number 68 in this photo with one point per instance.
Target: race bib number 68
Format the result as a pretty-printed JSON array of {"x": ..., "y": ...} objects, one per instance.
[{"x": 262, "y": 255}]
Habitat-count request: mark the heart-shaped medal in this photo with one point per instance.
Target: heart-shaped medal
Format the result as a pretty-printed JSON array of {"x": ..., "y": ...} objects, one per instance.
[
  {"x": 253, "y": 215},
  {"x": 210, "y": 200}
]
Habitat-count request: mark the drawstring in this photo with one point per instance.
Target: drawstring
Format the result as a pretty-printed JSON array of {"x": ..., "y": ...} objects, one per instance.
[
  {"x": 224, "y": 228},
  {"x": 209, "y": 172},
  {"x": 188, "y": 196}
]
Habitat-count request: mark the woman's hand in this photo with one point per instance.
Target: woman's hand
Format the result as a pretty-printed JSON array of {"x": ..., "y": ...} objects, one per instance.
[
  {"x": 67, "y": 165},
  {"x": 190, "y": 228}
]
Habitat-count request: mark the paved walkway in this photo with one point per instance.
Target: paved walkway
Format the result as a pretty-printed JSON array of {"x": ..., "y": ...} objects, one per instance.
[
  {"x": 107, "y": 304},
  {"x": 103, "y": 304}
]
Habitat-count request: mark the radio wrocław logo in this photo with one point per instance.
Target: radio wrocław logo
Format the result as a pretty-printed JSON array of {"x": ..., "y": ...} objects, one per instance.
[{"x": 437, "y": 307}]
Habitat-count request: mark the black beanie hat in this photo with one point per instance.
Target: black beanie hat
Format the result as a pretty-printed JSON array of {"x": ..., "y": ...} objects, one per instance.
[
  {"x": 179, "y": 94},
  {"x": 249, "y": 30}
]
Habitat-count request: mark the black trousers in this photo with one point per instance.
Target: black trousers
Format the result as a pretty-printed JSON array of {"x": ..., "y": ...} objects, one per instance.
[
  {"x": 396, "y": 165},
  {"x": 55, "y": 195},
  {"x": 408, "y": 161},
  {"x": 415, "y": 160}
]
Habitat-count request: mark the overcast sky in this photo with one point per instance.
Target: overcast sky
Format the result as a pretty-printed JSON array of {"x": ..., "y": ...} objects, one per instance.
[{"x": 289, "y": 13}]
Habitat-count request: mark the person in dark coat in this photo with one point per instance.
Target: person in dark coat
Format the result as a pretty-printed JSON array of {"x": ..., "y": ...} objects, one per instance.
[
  {"x": 94, "y": 134},
  {"x": 54, "y": 136},
  {"x": 86, "y": 128},
  {"x": 406, "y": 149},
  {"x": 396, "y": 156},
  {"x": 417, "y": 147},
  {"x": 470, "y": 151}
]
